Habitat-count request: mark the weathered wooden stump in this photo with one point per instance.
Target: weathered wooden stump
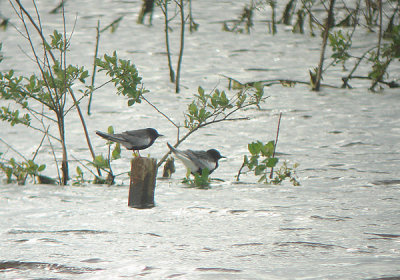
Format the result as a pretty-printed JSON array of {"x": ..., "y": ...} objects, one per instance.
[{"x": 143, "y": 182}]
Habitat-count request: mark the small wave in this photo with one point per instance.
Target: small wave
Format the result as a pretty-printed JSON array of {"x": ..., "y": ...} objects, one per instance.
[
  {"x": 66, "y": 231},
  {"x": 387, "y": 182},
  {"x": 8, "y": 265}
]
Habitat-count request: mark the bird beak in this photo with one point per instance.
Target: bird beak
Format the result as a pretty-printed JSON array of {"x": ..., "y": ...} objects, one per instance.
[{"x": 160, "y": 135}]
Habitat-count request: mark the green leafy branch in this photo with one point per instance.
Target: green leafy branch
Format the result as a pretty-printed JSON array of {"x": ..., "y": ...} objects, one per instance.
[
  {"x": 340, "y": 44},
  {"x": 262, "y": 161},
  {"x": 261, "y": 158},
  {"x": 20, "y": 170},
  {"x": 50, "y": 89},
  {"x": 201, "y": 181},
  {"x": 124, "y": 75},
  {"x": 217, "y": 106},
  {"x": 104, "y": 163},
  {"x": 211, "y": 108},
  {"x": 13, "y": 117}
]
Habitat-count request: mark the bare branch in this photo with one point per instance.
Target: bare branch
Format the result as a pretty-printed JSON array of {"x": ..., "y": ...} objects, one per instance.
[{"x": 14, "y": 150}]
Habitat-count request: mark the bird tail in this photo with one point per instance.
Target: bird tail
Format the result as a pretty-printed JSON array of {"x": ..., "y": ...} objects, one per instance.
[
  {"x": 181, "y": 155},
  {"x": 108, "y": 136}
]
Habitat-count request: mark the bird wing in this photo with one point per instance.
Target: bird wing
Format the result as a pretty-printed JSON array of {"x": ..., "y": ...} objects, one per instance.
[
  {"x": 135, "y": 139},
  {"x": 131, "y": 140},
  {"x": 195, "y": 161},
  {"x": 186, "y": 159},
  {"x": 201, "y": 159}
]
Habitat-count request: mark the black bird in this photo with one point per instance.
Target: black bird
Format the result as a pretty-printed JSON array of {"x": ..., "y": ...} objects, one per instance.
[
  {"x": 196, "y": 161},
  {"x": 133, "y": 139}
]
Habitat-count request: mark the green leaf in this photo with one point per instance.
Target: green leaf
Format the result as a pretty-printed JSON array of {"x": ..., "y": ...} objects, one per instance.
[
  {"x": 100, "y": 162},
  {"x": 110, "y": 129},
  {"x": 193, "y": 109},
  {"x": 79, "y": 171},
  {"x": 254, "y": 148},
  {"x": 214, "y": 101},
  {"x": 224, "y": 101},
  {"x": 259, "y": 169},
  {"x": 41, "y": 168},
  {"x": 131, "y": 102},
  {"x": 200, "y": 90},
  {"x": 263, "y": 179},
  {"x": 83, "y": 76},
  {"x": 116, "y": 153},
  {"x": 205, "y": 173},
  {"x": 267, "y": 149},
  {"x": 272, "y": 162}
]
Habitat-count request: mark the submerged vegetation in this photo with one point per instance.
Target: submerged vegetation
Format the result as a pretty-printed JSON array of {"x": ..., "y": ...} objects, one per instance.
[
  {"x": 338, "y": 23},
  {"x": 42, "y": 102}
]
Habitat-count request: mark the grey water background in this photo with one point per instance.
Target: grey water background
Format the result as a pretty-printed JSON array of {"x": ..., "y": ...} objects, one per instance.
[{"x": 343, "y": 222}]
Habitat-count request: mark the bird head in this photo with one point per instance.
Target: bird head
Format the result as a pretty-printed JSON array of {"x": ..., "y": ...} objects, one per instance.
[
  {"x": 215, "y": 154},
  {"x": 153, "y": 133}
]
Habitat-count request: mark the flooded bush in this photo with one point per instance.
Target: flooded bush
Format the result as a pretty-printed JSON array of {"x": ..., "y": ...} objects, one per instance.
[{"x": 262, "y": 161}]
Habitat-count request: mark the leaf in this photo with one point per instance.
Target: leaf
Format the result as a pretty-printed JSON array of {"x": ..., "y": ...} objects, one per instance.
[
  {"x": 79, "y": 171},
  {"x": 200, "y": 90},
  {"x": 214, "y": 101},
  {"x": 83, "y": 76},
  {"x": 259, "y": 169},
  {"x": 263, "y": 178},
  {"x": 110, "y": 129},
  {"x": 254, "y": 148},
  {"x": 193, "y": 109},
  {"x": 131, "y": 102},
  {"x": 272, "y": 162},
  {"x": 100, "y": 162},
  {"x": 224, "y": 101},
  {"x": 116, "y": 153},
  {"x": 205, "y": 173},
  {"x": 41, "y": 168},
  {"x": 267, "y": 149}
]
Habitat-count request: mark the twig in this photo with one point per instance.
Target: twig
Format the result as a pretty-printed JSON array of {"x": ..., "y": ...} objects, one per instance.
[
  {"x": 36, "y": 152},
  {"x": 52, "y": 150},
  {"x": 83, "y": 165},
  {"x": 85, "y": 94},
  {"x": 109, "y": 159},
  {"x": 39, "y": 30},
  {"x": 39, "y": 63},
  {"x": 350, "y": 76},
  {"x": 164, "y": 115},
  {"x": 94, "y": 66},
  {"x": 276, "y": 143},
  {"x": 164, "y": 9},
  {"x": 84, "y": 128},
  {"x": 182, "y": 44},
  {"x": 11, "y": 148},
  {"x": 155, "y": 108},
  {"x": 240, "y": 172},
  {"x": 270, "y": 82},
  {"x": 328, "y": 23},
  {"x": 112, "y": 24},
  {"x": 313, "y": 18}
]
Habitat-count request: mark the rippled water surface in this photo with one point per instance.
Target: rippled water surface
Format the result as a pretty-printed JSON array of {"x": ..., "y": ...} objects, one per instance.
[{"x": 343, "y": 222}]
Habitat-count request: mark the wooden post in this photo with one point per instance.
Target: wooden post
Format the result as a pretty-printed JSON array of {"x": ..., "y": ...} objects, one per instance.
[{"x": 143, "y": 182}]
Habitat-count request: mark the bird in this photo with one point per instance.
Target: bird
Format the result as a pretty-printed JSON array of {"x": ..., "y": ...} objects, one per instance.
[
  {"x": 134, "y": 140},
  {"x": 196, "y": 161}
]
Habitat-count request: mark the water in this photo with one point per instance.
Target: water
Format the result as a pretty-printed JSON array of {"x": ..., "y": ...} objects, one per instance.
[{"x": 341, "y": 223}]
